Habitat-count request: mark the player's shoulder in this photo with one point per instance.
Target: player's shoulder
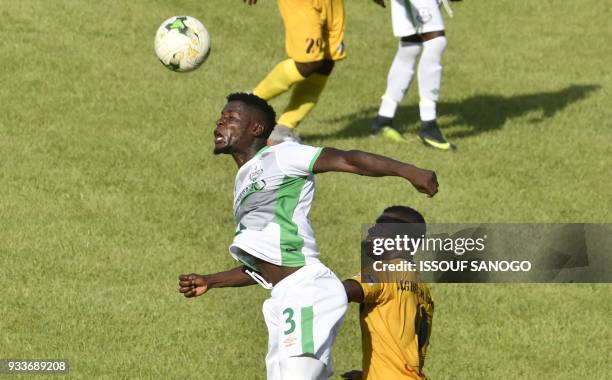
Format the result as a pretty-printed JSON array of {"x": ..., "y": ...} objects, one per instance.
[
  {"x": 368, "y": 282},
  {"x": 290, "y": 151},
  {"x": 290, "y": 145}
]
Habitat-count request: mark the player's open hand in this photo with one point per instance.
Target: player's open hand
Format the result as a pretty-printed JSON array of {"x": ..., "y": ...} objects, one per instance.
[
  {"x": 192, "y": 285},
  {"x": 425, "y": 181}
]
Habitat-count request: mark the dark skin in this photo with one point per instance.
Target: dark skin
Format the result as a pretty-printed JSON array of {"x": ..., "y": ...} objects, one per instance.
[
  {"x": 420, "y": 38},
  {"x": 353, "y": 289},
  {"x": 240, "y": 132},
  {"x": 354, "y": 293}
]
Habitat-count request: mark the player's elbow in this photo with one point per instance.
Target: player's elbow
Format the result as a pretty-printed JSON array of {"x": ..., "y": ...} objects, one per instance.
[
  {"x": 354, "y": 161},
  {"x": 353, "y": 290}
]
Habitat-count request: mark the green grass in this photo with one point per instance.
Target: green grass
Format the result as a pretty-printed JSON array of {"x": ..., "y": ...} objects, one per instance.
[{"x": 110, "y": 190}]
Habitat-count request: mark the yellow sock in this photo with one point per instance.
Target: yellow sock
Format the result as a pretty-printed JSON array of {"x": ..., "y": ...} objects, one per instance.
[
  {"x": 304, "y": 97},
  {"x": 279, "y": 80}
]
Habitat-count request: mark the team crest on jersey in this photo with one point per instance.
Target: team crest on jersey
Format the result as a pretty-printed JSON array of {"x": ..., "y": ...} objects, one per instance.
[
  {"x": 255, "y": 173},
  {"x": 425, "y": 15}
]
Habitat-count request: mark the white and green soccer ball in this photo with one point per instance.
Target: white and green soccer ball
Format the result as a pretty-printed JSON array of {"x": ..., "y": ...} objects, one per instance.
[{"x": 182, "y": 43}]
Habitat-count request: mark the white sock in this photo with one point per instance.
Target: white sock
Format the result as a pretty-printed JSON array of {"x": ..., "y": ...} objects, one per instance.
[
  {"x": 430, "y": 76},
  {"x": 400, "y": 75}
]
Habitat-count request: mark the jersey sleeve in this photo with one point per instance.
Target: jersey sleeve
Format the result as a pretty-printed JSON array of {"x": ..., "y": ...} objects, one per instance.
[
  {"x": 297, "y": 160},
  {"x": 372, "y": 291}
]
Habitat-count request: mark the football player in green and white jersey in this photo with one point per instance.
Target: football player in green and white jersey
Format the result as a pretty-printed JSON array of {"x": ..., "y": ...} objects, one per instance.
[
  {"x": 274, "y": 240},
  {"x": 420, "y": 27}
]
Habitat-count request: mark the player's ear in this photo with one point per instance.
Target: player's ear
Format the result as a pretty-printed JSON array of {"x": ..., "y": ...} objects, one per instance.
[{"x": 257, "y": 128}]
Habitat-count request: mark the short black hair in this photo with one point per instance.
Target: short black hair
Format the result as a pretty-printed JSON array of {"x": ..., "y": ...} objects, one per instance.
[
  {"x": 405, "y": 214},
  {"x": 393, "y": 222},
  {"x": 267, "y": 112}
]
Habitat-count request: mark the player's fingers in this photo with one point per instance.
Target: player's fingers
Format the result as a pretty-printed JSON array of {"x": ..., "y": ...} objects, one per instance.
[
  {"x": 434, "y": 187},
  {"x": 183, "y": 277},
  {"x": 186, "y": 283},
  {"x": 190, "y": 293},
  {"x": 185, "y": 289},
  {"x": 197, "y": 280}
]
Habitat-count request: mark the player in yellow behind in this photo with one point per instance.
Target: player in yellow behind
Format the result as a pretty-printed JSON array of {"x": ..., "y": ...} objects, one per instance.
[
  {"x": 396, "y": 310},
  {"x": 314, "y": 33}
]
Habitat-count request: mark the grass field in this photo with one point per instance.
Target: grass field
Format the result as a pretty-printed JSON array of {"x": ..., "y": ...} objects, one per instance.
[{"x": 110, "y": 190}]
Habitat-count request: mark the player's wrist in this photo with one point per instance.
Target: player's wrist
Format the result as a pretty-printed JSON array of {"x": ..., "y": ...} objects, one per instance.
[
  {"x": 409, "y": 172},
  {"x": 209, "y": 281}
]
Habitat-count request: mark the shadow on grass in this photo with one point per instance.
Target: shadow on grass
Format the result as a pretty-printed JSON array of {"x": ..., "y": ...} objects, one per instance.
[{"x": 479, "y": 113}]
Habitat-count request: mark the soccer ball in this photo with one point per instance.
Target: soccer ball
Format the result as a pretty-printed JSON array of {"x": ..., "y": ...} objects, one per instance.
[{"x": 182, "y": 43}]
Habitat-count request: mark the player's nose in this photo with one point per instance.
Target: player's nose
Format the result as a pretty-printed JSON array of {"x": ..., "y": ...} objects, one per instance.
[{"x": 218, "y": 125}]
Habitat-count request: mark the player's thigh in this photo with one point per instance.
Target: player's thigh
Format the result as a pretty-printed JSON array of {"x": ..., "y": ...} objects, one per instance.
[
  {"x": 304, "y": 29},
  {"x": 312, "y": 313},
  {"x": 330, "y": 307},
  {"x": 415, "y": 17},
  {"x": 271, "y": 317},
  {"x": 428, "y": 15}
]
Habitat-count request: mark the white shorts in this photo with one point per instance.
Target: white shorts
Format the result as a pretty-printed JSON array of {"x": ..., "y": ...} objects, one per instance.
[
  {"x": 415, "y": 17},
  {"x": 303, "y": 315}
]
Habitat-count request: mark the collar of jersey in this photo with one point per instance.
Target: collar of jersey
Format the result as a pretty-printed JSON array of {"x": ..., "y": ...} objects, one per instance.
[
  {"x": 248, "y": 163},
  {"x": 262, "y": 150}
]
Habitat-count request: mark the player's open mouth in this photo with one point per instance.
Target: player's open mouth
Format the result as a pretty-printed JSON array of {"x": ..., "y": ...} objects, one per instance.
[{"x": 219, "y": 138}]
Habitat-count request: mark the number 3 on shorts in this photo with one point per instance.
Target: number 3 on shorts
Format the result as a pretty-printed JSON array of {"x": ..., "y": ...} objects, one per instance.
[{"x": 289, "y": 314}]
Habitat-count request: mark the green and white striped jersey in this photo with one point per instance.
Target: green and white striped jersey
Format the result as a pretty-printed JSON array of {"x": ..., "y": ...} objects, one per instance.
[{"x": 273, "y": 194}]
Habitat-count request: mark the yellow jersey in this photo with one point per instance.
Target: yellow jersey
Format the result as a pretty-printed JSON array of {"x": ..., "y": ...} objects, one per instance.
[{"x": 396, "y": 319}]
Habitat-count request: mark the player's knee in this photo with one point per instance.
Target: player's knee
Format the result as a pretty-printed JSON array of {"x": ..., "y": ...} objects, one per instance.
[
  {"x": 434, "y": 48},
  {"x": 302, "y": 368},
  {"x": 323, "y": 67}
]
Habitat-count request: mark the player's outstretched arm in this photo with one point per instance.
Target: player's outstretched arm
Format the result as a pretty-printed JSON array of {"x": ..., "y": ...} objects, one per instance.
[
  {"x": 194, "y": 285},
  {"x": 374, "y": 165}
]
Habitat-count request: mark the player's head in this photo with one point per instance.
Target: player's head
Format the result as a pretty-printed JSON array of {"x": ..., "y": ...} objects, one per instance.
[
  {"x": 397, "y": 221},
  {"x": 246, "y": 119},
  {"x": 400, "y": 214}
]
